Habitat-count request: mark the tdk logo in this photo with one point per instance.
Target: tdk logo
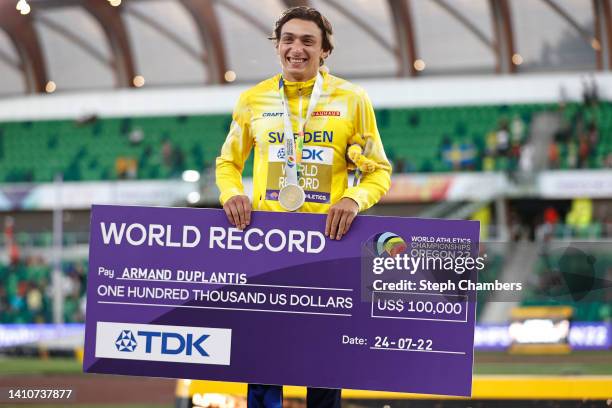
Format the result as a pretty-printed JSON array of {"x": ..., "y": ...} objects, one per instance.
[
  {"x": 154, "y": 342},
  {"x": 126, "y": 341},
  {"x": 312, "y": 154},
  {"x": 173, "y": 343}
]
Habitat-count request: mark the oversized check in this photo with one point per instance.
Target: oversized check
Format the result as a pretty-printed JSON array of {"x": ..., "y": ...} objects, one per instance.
[{"x": 178, "y": 292}]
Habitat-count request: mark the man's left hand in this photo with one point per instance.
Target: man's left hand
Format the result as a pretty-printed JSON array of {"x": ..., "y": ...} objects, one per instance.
[{"x": 340, "y": 217}]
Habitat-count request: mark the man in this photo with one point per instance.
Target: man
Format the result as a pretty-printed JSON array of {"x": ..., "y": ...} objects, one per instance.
[{"x": 307, "y": 173}]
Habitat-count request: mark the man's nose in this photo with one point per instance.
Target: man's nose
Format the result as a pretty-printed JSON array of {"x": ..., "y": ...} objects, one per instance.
[{"x": 298, "y": 46}]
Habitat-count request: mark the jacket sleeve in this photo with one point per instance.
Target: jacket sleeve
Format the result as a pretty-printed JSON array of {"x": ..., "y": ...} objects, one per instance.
[
  {"x": 375, "y": 184},
  {"x": 234, "y": 153}
]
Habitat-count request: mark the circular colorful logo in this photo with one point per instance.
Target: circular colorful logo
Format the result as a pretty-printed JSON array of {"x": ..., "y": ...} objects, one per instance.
[
  {"x": 389, "y": 243},
  {"x": 290, "y": 161}
]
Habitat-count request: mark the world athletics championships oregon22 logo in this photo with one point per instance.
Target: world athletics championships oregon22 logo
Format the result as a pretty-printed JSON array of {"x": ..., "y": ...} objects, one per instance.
[
  {"x": 389, "y": 244},
  {"x": 126, "y": 341}
]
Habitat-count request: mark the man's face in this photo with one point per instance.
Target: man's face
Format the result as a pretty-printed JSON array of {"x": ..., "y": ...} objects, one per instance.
[{"x": 300, "y": 49}]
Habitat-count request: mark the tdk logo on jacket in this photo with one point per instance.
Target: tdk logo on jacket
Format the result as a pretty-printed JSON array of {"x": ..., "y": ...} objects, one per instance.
[
  {"x": 181, "y": 344},
  {"x": 309, "y": 154}
]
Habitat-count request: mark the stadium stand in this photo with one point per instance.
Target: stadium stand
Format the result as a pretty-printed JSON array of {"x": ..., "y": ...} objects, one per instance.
[
  {"x": 423, "y": 139},
  {"x": 458, "y": 138},
  {"x": 25, "y": 296},
  {"x": 444, "y": 139},
  {"x": 584, "y": 140},
  {"x": 109, "y": 149},
  {"x": 581, "y": 221}
]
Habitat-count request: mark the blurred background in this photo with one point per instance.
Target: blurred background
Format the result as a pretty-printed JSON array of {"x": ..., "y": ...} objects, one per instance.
[{"x": 493, "y": 110}]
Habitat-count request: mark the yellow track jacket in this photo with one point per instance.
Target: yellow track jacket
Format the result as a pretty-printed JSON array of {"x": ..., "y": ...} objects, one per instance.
[{"x": 343, "y": 110}]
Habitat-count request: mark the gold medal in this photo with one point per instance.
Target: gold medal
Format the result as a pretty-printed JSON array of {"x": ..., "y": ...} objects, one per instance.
[{"x": 291, "y": 197}]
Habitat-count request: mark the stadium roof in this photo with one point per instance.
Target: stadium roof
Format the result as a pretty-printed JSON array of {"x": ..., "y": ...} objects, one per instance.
[{"x": 68, "y": 45}]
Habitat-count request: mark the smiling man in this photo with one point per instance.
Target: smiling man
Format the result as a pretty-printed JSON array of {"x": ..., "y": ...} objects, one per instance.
[{"x": 307, "y": 171}]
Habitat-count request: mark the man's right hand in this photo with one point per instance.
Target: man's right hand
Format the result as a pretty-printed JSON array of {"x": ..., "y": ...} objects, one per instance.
[{"x": 238, "y": 210}]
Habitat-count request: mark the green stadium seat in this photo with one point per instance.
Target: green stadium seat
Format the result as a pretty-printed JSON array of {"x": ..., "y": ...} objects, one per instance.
[{"x": 35, "y": 151}]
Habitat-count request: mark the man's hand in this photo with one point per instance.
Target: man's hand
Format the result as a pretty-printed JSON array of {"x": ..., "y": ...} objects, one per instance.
[
  {"x": 238, "y": 210},
  {"x": 340, "y": 217}
]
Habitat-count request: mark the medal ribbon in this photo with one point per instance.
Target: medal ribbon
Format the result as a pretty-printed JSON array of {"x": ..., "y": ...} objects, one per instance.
[{"x": 293, "y": 148}]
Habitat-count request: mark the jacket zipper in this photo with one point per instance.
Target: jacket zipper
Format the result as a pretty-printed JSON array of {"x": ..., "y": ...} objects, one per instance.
[{"x": 300, "y": 116}]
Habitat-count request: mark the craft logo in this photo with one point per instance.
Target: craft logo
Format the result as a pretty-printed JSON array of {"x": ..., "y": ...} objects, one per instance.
[
  {"x": 126, "y": 341},
  {"x": 272, "y": 114},
  {"x": 326, "y": 113}
]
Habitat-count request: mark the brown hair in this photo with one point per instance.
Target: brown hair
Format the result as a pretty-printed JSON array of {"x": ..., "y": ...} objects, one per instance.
[{"x": 308, "y": 14}]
